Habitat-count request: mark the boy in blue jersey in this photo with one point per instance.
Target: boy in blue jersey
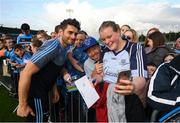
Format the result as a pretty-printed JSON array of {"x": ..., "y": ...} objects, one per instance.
[
  {"x": 18, "y": 61},
  {"x": 20, "y": 58},
  {"x": 41, "y": 72},
  {"x": 25, "y": 37},
  {"x": 9, "y": 51},
  {"x": 76, "y": 56}
]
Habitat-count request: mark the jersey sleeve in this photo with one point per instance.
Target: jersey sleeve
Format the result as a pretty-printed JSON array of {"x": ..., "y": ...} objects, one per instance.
[
  {"x": 138, "y": 61},
  {"x": 162, "y": 89},
  {"x": 45, "y": 54},
  {"x": 18, "y": 39}
]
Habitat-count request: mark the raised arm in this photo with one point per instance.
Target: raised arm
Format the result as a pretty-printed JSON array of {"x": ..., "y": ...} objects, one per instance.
[{"x": 74, "y": 62}]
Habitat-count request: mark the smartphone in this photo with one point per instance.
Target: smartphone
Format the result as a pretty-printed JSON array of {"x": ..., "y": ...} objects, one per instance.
[{"x": 125, "y": 75}]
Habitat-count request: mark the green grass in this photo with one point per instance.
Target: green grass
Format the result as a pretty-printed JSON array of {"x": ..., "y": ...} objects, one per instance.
[{"x": 7, "y": 105}]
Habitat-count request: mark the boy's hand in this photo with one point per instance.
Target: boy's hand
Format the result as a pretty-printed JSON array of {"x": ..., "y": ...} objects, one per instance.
[
  {"x": 67, "y": 78},
  {"x": 99, "y": 67}
]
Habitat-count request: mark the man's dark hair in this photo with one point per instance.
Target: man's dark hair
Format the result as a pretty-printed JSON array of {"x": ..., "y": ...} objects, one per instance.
[
  {"x": 18, "y": 46},
  {"x": 112, "y": 24},
  {"x": 70, "y": 21},
  {"x": 25, "y": 27}
]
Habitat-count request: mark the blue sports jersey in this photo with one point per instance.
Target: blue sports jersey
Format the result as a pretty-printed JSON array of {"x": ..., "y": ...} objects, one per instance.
[
  {"x": 50, "y": 59},
  {"x": 26, "y": 57},
  {"x": 24, "y": 39},
  {"x": 9, "y": 53},
  {"x": 50, "y": 51},
  {"x": 81, "y": 57}
]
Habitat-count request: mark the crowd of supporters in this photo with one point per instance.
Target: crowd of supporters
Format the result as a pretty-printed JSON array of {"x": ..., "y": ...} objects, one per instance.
[{"x": 69, "y": 53}]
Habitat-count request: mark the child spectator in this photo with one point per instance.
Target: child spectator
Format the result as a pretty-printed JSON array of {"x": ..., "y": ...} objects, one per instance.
[
  {"x": 169, "y": 57},
  {"x": 21, "y": 57},
  {"x": 177, "y": 46},
  {"x": 9, "y": 52},
  {"x": 92, "y": 48},
  {"x": 42, "y": 36},
  {"x": 35, "y": 44},
  {"x": 25, "y": 37},
  {"x": 18, "y": 62},
  {"x": 76, "y": 56},
  {"x": 151, "y": 68},
  {"x": 131, "y": 35}
]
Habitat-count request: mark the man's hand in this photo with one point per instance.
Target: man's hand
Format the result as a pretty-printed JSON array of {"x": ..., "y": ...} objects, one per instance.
[
  {"x": 24, "y": 111},
  {"x": 124, "y": 87}
]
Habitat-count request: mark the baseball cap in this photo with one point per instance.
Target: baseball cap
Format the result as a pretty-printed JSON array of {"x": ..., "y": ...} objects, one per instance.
[{"x": 89, "y": 42}]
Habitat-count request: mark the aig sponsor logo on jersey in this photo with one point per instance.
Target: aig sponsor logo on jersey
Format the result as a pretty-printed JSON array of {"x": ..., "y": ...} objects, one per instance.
[{"x": 110, "y": 72}]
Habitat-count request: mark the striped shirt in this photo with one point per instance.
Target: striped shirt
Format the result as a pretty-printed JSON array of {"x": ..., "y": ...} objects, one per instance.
[
  {"x": 49, "y": 51},
  {"x": 24, "y": 39},
  {"x": 131, "y": 57}
]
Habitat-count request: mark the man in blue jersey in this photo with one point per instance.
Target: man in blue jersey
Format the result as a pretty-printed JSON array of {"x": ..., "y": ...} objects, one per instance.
[{"x": 41, "y": 72}]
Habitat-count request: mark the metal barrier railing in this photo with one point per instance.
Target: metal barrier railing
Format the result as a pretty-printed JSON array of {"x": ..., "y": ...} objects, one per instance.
[{"x": 71, "y": 109}]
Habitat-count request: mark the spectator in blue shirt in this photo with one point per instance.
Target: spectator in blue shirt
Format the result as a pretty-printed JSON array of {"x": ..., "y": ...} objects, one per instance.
[
  {"x": 20, "y": 57},
  {"x": 25, "y": 37}
]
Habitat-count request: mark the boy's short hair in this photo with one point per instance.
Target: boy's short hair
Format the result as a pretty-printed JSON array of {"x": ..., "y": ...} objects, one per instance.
[
  {"x": 151, "y": 64},
  {"x": 70, "y": 21},
  {"x": 83, "y": 32},
  {"x": 25, "y": 27},
  {"x": 18, "y": 46}
]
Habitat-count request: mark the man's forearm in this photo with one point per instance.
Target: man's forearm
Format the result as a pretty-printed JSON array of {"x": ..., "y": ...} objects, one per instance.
[
  {"x": 25, "y": 81},
  {"x": 24, "y": 85}
]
